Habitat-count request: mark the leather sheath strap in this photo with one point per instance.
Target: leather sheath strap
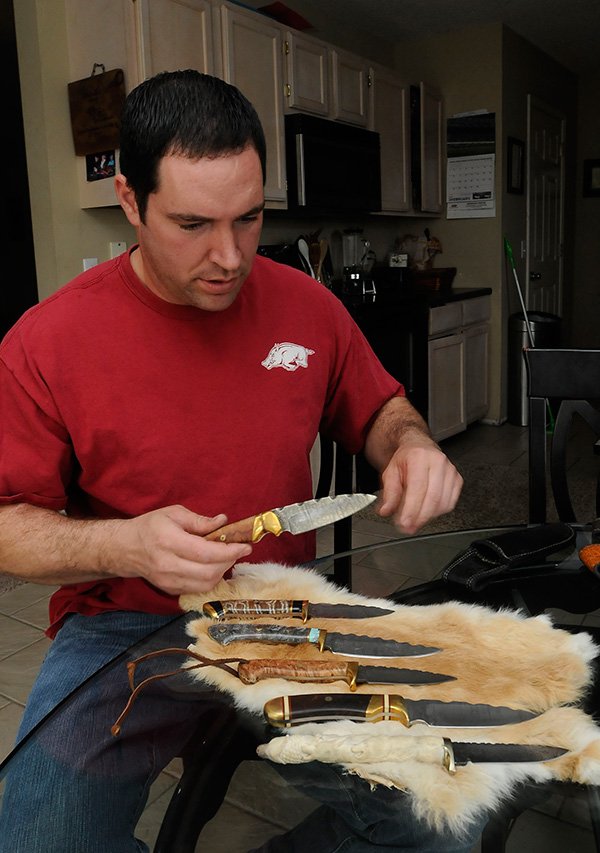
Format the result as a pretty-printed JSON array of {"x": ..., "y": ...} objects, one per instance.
[{"x": 489, "y": 559}]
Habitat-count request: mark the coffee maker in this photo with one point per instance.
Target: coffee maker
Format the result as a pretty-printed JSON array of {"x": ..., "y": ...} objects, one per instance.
[{"x": 358, "y": 259}]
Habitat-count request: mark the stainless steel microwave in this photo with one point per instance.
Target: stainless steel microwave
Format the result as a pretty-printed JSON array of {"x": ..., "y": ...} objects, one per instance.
[{"x": 331, "y": 167}]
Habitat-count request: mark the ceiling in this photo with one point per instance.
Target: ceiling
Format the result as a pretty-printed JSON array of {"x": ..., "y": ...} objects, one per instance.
[{"x": 568, "y": 30}]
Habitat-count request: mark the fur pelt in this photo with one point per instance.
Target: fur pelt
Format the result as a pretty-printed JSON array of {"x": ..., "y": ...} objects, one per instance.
[{"x": 499, "y": 658}]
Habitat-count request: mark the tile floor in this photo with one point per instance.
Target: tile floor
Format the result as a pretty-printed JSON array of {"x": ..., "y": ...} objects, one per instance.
[{"x": 560, "y": 825}]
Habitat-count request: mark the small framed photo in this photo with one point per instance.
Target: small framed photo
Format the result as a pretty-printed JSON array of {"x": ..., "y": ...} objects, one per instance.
[
  {"x": 101, "y": 165},
  {"x": 515, "y": 165},
  {"x": 591, "y": 178}
]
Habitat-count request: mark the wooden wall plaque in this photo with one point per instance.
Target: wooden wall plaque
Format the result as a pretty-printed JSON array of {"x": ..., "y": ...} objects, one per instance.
[{"x": 96, "y": 103}]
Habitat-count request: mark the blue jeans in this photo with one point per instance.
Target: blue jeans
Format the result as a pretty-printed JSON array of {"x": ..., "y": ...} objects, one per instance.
[{"x": 75, "y": 788}]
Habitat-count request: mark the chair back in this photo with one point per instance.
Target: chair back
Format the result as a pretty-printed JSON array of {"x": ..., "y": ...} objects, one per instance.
[{"x": 562, "y": 383}]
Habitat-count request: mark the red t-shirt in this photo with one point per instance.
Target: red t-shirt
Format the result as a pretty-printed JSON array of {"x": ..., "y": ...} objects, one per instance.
[{"x": 115, "y": 403}]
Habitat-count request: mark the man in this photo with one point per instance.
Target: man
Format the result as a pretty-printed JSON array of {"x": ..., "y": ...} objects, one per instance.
[{"x": 143, "y": 406}]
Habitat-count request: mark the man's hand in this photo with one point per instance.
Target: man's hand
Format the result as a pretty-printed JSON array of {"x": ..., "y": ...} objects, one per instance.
[
  {"x": 419, "y": 481},
  {"x": 167, "y": 548},
  {"x": 419, "y": 484}
]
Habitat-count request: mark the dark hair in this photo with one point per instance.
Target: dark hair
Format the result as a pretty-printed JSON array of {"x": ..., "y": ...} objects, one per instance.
[{"x": 183, "y": 112}]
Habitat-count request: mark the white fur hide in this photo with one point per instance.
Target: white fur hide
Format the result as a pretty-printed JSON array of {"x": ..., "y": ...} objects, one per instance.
[{"x": 499, "y": 658}]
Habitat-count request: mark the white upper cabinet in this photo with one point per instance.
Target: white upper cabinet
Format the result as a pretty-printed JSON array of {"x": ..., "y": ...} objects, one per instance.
[
  {"x": 350, "y": 87},
  {"x": 251, "y": 54},
  {"x": 390, "y": 117},
  {"x": 174, "y": 35},
  {"x": 307, "y": 74}
]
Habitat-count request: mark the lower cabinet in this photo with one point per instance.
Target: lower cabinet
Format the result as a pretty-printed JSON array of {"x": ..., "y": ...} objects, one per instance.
[{"x": 458, "y": 365}]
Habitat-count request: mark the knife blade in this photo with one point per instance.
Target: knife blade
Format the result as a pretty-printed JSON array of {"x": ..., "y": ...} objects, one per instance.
[
  {"x": 295, "y": 608},
  {"x": 294, "y": 518},
  {"x": 460, "y": 753},
  {"x": 426, "y": 749},
  {"x": 287, "y": 711},
  {"x": 352, "y": 645},
  {"x": 252, "y": 671}
]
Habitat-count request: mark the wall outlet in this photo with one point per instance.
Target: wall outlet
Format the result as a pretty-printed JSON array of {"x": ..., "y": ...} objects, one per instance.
[
  {"x": 88, "y": 263},
  {"x": 116, "y": 248}
]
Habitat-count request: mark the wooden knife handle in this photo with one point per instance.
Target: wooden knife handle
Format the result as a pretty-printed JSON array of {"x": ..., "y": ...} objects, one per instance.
[
  {"x": 298, "y": 670},
  {"x": 287, "y": 711},
  {"x": 250, "y": 529},
  {"x": 249, "y": 608}
]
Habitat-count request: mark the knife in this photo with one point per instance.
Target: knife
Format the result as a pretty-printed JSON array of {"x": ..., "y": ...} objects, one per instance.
[
  {"x": 351, "y": 672},
  {"x": 426, "y": 749},
  {"x": 353, "y": 645},
  {"x": 305, "y": 610},
  {"x": 295, "y": 518},
  {"x": 286, "y": 711}
]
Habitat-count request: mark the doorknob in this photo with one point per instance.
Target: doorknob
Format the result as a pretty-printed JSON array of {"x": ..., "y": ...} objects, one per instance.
[{"x": 534, "y": 276}]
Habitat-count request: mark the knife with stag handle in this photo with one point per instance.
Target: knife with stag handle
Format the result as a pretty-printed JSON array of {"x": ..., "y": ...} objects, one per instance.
[
  {"x": 426, "y": 749},
  {"x": 294, "y": 518},
  {"x": 249, "y": 608},
  {"x": 287, "y": 711},
  {"x": 352, "y": 645},
  {"x": 324, "y": 671}
]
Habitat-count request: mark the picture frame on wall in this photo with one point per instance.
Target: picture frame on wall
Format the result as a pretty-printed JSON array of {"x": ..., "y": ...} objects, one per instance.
[
  {"x": 591, "y": 178},
  {"x": 515, "y": 165}
]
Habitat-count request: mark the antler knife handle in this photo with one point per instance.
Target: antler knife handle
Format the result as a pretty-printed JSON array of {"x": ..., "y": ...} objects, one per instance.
[
  {"x": 249, "y": 608},
  {"x": 286, "y": 711},
  {"x": 295, "y": 670},
  {"x": 250, "y": 529}
]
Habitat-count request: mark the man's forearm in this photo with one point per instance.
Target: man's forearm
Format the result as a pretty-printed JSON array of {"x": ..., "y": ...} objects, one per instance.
[
  {"x": 396, "y": 423},
  {"x": 44, "y": 546}
]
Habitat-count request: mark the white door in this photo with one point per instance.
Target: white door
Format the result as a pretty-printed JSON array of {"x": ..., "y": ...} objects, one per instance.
[{"x": 545, "y": 207}]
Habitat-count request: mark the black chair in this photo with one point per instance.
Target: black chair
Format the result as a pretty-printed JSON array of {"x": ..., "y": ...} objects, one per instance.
[{"x": 563, "y": 390}]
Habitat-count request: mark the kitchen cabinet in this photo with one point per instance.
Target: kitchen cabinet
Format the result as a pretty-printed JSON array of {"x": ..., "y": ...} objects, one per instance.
[
  {"x": 351, "y": 81},
  {"x": 252, "y": 52},
  {"x": 457, "y": 365},
  {"x": 307, "y": 74},
  {"x": 175, "y": 34},
  {"x": 390, "y": 117}
]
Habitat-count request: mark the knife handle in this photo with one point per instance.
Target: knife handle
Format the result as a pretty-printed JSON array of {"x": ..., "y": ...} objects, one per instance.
[
  {"x": 225, "y": 634},
  {"x": 299, "y": 670},
  {"x": 250, "y": 529},
  {"x": 249, "y": 608},
  {"x": 287, "y": 711}
]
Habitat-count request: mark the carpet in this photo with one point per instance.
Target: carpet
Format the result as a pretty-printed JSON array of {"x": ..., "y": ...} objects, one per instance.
[{"x": 494, "y": 495}]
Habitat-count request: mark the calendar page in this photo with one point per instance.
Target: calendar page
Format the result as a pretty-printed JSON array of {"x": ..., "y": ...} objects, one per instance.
[{"x": 470, "y": 186}]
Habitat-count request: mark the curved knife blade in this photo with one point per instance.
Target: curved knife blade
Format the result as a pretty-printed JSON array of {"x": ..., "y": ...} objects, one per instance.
[{"x": 351, "y": 645}]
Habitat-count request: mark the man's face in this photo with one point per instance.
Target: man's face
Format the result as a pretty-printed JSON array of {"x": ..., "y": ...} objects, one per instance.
[{"x": 202, "y": 228}]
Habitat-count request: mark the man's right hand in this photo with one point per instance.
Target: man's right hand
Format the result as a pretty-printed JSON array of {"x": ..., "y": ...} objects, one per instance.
[{"x": 167, "y": 548}]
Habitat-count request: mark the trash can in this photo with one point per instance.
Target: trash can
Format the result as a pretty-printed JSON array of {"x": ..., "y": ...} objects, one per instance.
[{"x": 545, "y": 331}]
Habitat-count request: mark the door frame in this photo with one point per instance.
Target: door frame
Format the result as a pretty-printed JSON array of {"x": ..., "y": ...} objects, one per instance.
[{"x": 532, "y": 102}]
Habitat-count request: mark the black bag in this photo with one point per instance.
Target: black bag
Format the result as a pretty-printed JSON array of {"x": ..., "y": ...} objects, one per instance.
[{"x": 489, "y": 559}]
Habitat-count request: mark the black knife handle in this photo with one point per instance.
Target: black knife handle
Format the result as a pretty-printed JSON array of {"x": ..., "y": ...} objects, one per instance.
[
  {"x": 286, "y": 711},
  {"x": 250, "y": 608}
]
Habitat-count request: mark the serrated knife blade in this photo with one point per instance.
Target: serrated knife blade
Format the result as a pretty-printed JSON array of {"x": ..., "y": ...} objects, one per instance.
[
  {"x": 350, "y": 645},
  {"x": 294, "y": 518}
]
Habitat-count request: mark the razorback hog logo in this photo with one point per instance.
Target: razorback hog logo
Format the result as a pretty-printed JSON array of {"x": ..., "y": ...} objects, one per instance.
[{"x": 287, "y": 355}]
